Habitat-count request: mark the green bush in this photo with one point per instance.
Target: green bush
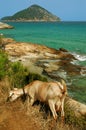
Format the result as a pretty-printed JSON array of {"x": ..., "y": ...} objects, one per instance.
[
  {"x": 4, "y": 64},
  {"x": 20, "y": 76},
  {"x": 17, "y": 74}
]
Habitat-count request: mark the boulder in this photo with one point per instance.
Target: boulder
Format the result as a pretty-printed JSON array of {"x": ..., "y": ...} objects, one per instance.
[{"x": 78, "y": 108}]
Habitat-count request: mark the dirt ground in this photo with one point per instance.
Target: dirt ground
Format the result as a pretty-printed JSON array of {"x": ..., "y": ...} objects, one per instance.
[{"x": 14, "y": 116}]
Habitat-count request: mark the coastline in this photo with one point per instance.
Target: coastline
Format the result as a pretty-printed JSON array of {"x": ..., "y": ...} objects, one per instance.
[
  {"x": 71, "y": 36},
  {"x": 5, "y": 26},
  {"x": 47, "y": 61},
  {"x": 54, "y": 63}
]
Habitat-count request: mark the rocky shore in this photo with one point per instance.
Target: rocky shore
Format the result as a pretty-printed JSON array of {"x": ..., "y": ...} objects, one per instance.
[
  {"x": 55, "y": 64},
  {"x": 5, "y": 26}
]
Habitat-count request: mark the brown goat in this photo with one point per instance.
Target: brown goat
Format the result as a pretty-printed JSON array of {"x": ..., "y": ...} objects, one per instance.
[{"x": 52, "y": 93}]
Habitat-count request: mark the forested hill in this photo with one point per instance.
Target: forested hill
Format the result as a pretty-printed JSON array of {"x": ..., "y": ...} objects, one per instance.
[{"x": 33, "y": 13}]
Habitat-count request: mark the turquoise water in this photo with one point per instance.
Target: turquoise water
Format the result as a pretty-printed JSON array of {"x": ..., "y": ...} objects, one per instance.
[{"x": 69, "y": 35}]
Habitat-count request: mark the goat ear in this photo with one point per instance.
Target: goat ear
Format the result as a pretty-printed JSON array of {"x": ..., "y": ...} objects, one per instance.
[{"x": 63, "y": 82}]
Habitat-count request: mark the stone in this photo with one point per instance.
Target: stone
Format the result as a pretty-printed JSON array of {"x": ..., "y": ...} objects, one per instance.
[{"x": 5, "y": 26}]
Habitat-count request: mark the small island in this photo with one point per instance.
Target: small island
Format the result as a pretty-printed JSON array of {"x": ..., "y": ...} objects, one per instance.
[{"x": 33, "y": 13}]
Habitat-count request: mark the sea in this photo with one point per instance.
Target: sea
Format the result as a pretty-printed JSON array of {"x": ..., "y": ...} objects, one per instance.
[{"x": 68, "y": 35}]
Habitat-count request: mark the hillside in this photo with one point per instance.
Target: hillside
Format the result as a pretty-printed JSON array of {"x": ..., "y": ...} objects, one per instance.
[
  {"x": 36, "y": 59},
  {"x": 33, "y": 13}
]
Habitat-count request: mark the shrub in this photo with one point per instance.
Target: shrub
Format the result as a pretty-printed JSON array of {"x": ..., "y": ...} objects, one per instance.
[
  {"x": 71, "y": 118},
  {"x": 4, "y": 64},
  {"x": 20, "y": 76},
  {"x": 17, "y": 74}
]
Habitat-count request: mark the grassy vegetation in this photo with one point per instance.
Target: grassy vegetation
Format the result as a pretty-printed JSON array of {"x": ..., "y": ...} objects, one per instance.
[
  {"x": 71, "y": 118},
  {"x": 4, "y": 64},
  {"x": 17, "y": 74},
  {"x": 20, "y": 76}
]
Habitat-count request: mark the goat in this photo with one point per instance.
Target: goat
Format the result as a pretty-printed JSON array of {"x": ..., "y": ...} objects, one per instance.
[{"x": 52, "y": 93}]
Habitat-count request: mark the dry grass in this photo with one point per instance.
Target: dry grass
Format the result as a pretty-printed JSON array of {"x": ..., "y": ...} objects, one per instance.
[
  {"x": 14, "y": 116},
  {"x": 4, "y": 89}
]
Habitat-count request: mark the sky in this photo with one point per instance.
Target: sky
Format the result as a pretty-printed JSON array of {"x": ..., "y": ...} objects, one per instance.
[{"x": 67, "y": 10}]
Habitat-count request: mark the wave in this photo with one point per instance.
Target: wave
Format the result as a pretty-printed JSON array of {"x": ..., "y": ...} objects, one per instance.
[{"x": 79, "y": 57}]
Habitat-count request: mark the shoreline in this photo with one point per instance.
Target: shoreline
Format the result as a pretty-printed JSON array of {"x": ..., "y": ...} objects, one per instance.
[
  {"x": 42, "y": 21},
  {"x": 66, "y": 35},
  {"x": 54, "y": 63},
  {"x": 47, "y": 61}
]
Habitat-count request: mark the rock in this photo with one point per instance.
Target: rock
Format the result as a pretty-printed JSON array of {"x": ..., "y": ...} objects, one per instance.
[
  {"x": 5, "y": 26},
  {"x": 78, "y": 108},
  {"x": 51, "y": 60},
  {"x": 62, "y": 49},
  {"x": 30, "y": 50}
]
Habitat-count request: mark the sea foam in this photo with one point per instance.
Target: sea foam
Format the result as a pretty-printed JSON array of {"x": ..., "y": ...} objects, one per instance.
[{"x": 80, "y": 57}]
